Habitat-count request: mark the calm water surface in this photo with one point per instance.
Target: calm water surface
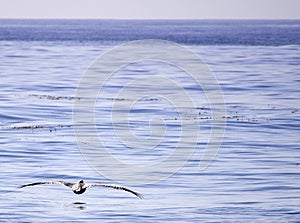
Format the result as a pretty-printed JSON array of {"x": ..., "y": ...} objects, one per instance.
[{"x": 255, "y": 176}]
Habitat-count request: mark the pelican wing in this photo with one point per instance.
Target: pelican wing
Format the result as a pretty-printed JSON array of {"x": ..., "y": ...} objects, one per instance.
[
  {"x": 117, "y": 187},
  {"x": 49, "y": 182}
]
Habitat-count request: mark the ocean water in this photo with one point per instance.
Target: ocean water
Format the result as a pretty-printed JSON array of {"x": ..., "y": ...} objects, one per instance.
[{"x": 255, "y": 175}]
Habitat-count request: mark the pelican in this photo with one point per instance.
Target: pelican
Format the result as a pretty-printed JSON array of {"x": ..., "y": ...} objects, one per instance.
[{"x": 80, "y": 187}]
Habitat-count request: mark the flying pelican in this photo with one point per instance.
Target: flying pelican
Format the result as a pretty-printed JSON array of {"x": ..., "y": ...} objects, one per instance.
[{"x": 80, "y": 187}]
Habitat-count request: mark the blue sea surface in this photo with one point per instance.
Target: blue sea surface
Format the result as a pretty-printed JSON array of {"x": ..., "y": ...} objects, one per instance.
[{"x": 255, "y": 176}]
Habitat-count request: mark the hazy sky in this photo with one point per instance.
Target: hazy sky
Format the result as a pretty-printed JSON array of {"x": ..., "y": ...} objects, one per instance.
[{"x": 151, "y": 9}]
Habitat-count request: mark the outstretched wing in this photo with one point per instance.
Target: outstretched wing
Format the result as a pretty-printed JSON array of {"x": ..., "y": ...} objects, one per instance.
[
  {"x": 49, "y": 182},
  {"x": 117, "y": 187}
]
